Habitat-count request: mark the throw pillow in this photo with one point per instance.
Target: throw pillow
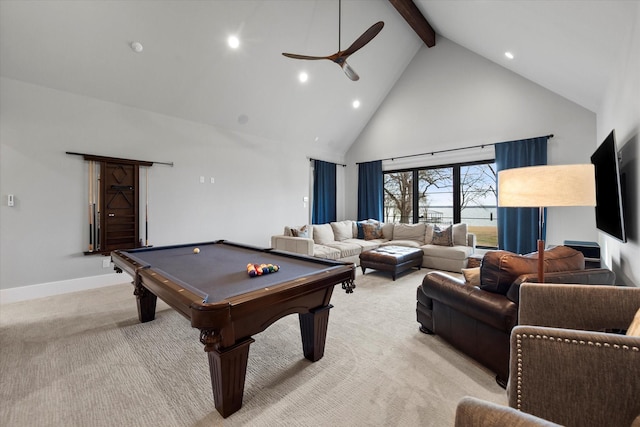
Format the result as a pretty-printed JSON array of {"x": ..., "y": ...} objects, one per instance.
[
  {"x": 634, "y": 328},
  {"x": 459, "y": 234},
  {"x": 342, "y": 230},
  {"x": 428, "y": 235},
  {"x": 471, "y": 276},
  {"x": 359, "y": 224},
  {"x": 371, "y": 231},
  {"x": 500, "y": 269},
  {"x": 414, "y": 232},
  {"x": 322, "y": 234},
  {"x": 360, "y": 233},
  {"x": 300, "y": 231},
  {"x": 442, "y": 237}
]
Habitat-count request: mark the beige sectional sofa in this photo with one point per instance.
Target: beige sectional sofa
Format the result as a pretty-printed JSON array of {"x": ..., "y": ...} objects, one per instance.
[{"x": 344, "y": 240}]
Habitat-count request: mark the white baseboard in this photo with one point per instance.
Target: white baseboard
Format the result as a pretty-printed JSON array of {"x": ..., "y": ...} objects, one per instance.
[{"x": 24, "y": 293}]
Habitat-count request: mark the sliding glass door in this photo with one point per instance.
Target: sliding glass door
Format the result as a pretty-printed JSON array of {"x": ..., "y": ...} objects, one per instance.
[
  {"x": 478, "y": 201},
  {"x": 398, "y": 197},
  {"x": 445, "y": 195}
]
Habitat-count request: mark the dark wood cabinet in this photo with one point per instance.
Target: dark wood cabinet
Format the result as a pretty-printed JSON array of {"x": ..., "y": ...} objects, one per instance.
[
  {"x": 119, "y": 215},
  {"x": 114, "y": 203}
]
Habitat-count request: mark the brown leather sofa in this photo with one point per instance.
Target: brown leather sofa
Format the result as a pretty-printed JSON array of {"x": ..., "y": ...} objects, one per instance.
[{"x": 478, "y": 319}]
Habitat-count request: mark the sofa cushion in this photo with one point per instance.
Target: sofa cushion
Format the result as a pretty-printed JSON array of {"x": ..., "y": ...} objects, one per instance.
[
  {"x": 322, "y": 251},
  {"x": 458, "y": 253},
  {"x": 366, "y": 245},
  {"x": 407, "y": 243},
  {"x": 500, "y": 269},
  {"x": 342, "y": 230},
  {"x": 442, "y": 237},
  {"x": 459, "y": 234},
  {"x": 323, "y": 233},
  {"x": 414, "y": 232},
  {"x": 387, "y": 230},
  {"x": 346, "y": 249}
]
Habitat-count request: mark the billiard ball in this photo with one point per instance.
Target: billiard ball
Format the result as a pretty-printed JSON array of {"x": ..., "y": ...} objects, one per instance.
[{"x": 196, "y": 250}]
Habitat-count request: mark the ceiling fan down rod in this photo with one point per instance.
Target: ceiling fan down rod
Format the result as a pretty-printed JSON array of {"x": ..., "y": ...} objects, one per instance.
[{"x": 339, "y": 22}]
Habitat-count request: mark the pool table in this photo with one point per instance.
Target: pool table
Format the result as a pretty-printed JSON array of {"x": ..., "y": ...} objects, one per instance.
[{"x": 214, "y": 291}]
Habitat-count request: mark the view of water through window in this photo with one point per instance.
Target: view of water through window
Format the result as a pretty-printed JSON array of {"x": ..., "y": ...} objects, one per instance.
[{"x": 445, "y": 195}]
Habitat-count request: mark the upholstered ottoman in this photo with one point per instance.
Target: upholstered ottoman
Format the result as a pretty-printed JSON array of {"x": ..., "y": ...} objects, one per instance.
[{"x": 395, "y": 259}]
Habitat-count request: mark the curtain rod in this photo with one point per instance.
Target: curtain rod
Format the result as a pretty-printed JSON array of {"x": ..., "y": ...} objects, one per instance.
[
  {"x": 451, "y": 149},
  {"x": 338, "y": 164},
  {"x": 117, "y": 159}
]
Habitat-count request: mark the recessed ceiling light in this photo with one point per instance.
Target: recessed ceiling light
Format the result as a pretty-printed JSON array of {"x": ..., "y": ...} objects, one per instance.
[
  {"x": 356, "y": 104},
  {"x": 136, "y": 47},
  {"x": 233, "y": 42},
  {"x": 509, "y": 55},
  {"x": 303, "y": 77}
]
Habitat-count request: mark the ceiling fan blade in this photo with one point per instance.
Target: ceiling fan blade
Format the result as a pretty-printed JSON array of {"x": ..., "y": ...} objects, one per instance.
[
  {"x": 350, "y": 72},
  {"x": 296, "y": 56},
  {"x": 365, "y": 38}
]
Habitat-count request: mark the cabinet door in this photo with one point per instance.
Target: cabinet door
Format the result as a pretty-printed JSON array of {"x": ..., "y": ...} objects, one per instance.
[{"x": 119, "y": 216}]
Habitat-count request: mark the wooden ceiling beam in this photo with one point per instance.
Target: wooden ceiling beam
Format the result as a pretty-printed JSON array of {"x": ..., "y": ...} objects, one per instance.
[{"x": 416, "y": 20}]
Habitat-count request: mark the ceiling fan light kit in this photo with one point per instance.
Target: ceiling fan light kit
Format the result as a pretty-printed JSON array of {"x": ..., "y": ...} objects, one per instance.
[
  {"x": 340, "y": 57},
  {"x": 350, "y": 72}
]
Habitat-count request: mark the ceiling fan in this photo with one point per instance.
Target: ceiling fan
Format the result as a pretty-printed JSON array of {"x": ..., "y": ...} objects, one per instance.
[{"x": 340, "y": 57}]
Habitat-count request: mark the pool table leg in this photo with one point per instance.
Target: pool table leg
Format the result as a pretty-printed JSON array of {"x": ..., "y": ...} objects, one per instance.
[
  {"x": 228, "y": 368},
  {"x": 146, "y": 302},
  {"x": 313, "y": 327}
]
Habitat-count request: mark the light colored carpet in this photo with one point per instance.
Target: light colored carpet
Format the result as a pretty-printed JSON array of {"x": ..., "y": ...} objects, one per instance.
[{"x": 83, "y": 359}]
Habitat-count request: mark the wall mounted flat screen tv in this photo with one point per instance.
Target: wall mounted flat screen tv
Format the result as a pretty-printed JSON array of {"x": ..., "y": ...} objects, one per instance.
[{"x": 609, "y": 191}]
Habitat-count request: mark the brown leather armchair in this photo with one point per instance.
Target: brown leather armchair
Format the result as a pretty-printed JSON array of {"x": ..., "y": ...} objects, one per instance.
[{"x": 478, "y": 319}]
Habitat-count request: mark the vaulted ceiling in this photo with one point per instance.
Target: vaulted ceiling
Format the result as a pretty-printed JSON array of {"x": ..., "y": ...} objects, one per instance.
[{"x": 187, "y": 70}]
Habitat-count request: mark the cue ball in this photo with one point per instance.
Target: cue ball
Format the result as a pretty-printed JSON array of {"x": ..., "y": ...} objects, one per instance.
[{"x": 196, "y": 250}]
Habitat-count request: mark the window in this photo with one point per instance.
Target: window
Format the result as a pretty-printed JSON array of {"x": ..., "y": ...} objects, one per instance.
[
  {"x": 445, "y": 195},
  {"x": 398, "y": 197},
  {"x": 479, "y": 201}
]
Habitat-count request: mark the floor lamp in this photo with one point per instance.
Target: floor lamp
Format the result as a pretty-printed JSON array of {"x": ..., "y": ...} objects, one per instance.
[{"x": 546, "y": 186}]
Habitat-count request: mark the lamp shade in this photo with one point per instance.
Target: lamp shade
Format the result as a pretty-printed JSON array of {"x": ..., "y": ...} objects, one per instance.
[{"x": 549, "y": 185}]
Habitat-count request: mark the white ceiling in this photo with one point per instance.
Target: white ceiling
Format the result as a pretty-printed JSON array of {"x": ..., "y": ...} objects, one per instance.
[{"x": 186, "y": 69}]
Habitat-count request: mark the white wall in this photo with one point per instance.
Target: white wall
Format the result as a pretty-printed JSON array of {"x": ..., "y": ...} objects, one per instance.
[
  {"x": 259, "y": 184},
  {"x": 450, "y": 97},
  {"x": 621, "y": 111}
]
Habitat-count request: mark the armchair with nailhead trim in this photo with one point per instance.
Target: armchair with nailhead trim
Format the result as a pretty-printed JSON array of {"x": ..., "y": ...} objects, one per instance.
[{"x": 571, "y": 362}]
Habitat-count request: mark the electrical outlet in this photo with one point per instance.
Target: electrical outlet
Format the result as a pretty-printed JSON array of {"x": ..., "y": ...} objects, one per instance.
[{"x": 106, "y": 262}]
